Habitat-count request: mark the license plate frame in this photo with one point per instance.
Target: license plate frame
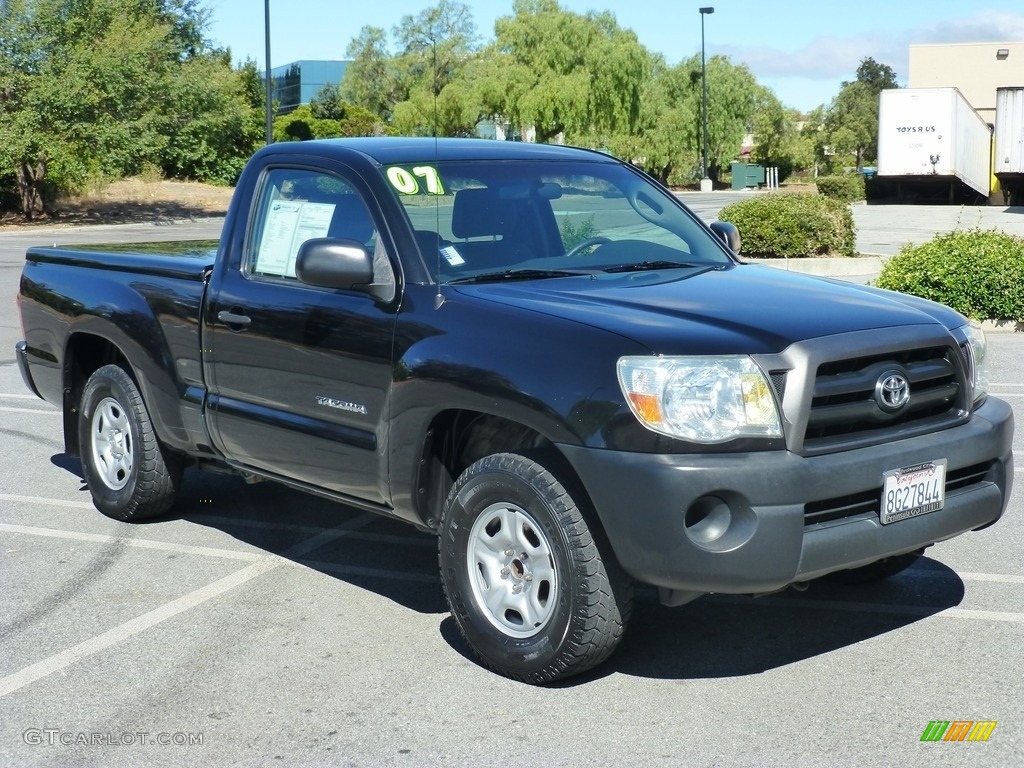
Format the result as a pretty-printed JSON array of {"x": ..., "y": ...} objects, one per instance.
[{"x": 912, "y": 491}]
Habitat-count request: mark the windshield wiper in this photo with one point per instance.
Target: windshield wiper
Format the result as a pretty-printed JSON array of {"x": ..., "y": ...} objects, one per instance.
[
  {"x": 518, "y": 274},
  {"x": 643, "y": 265}
]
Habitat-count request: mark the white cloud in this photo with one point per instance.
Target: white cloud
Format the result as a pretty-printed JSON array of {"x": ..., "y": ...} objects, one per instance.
[
  {"x": 831, "y": 58},
  {"x": 983, "y": 27},
  {"x": 825, "y": 58}
]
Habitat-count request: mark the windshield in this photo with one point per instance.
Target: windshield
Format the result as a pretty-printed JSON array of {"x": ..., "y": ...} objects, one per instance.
[{"x": 478, "y": 219}]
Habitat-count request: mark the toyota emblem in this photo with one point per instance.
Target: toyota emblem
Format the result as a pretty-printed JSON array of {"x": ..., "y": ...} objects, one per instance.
[{"x": 892, "y": 391}]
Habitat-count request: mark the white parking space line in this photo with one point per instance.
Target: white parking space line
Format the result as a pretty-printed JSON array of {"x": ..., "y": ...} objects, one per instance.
[
  {"x": 970, "y": 613},
  {"x": 992, "y": 578},
  {"x": 262, "y": 564},
  {"x": 382, "y": 538},
  {"x": 99, "y": 538},
  {"x": 887, "y": 608},
  {"x": 49, "y": 502},
  {"x": 997, "y": 578},
  {"x": 330, "y": 535},
  {"x": 59, "y": 661},
  {"x": 53, "y": 412},
  {"x": 12, "y": 396},
  {"x": 376, "y": 573}
]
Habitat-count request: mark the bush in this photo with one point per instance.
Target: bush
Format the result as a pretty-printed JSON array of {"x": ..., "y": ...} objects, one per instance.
[
  {"x": 847, "y": 188},
  {"x": 792, "y": 226},
  {"x": 979, "y": 273}
]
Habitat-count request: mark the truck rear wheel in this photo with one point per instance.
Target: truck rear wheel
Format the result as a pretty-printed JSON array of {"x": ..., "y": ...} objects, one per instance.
[
  {"x": 526, "y": 583},
  {"x": 129, "y": 474}
]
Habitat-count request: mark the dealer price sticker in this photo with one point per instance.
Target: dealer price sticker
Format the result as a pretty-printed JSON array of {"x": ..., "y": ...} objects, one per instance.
[{"x": 912, "y": 491}]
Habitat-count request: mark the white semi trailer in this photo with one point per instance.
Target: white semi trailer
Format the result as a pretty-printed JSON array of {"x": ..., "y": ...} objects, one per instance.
[
  {"x": 1009, "y": 155},
  {"x": 931, "y": 142}
]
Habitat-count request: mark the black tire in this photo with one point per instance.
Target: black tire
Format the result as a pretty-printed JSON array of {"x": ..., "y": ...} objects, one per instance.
[
  {"x": 877, "y": 571},
  {"x": 558, "y": 614},
  {"x": 129, "y": 474}
]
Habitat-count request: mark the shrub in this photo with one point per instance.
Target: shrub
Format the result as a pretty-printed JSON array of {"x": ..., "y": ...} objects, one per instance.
[
  {"x": 847, "y": 188},
  {"x": 792, "y": 226},
  {"x": 979, "y": 273}
]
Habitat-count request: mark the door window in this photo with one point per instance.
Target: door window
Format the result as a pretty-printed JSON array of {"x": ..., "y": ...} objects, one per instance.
[{"x": 297, "y": 205}]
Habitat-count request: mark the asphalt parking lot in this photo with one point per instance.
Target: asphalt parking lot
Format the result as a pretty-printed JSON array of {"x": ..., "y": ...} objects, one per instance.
[{"x": 258, "y": 626}]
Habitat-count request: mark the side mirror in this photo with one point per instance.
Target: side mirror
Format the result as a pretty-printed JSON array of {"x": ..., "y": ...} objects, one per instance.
[
  {"x": 728, "y": 234},
  {"x": 341, "y": 264}
]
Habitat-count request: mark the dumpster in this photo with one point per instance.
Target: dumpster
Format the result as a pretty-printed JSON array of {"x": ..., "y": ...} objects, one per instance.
[{"x": 747, "y": 175}]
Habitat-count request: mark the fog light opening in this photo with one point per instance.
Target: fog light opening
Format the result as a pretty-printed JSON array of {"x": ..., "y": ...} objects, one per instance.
[{"x": 707, "y": 520}]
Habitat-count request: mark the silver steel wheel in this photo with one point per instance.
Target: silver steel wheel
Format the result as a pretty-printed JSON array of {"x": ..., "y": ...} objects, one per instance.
[
  {"x": 112, "y": 444},
  {"x": 512, "y": 570}
]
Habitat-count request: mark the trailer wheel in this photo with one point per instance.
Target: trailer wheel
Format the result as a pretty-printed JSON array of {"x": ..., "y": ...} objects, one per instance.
[
  {"x": 129, "y": 474},
  {"x": 531, "y": 592}
]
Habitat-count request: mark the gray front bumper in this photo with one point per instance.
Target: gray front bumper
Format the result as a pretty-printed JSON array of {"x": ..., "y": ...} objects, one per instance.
[{"x": 746, "y": 511}]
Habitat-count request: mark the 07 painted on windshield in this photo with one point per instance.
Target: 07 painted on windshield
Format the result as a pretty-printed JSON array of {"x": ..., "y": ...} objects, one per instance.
[{"x": 481, "y": 219}]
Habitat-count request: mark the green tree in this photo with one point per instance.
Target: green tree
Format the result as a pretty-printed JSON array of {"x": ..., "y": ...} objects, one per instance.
[
  {"x": 351, "y": 119},
  {"x": 301, "y": 125},
  {"x": 369, "y": 79},
  {"x": 667, "y": 142},
  {"x": 851, "y": 122},
  {"x": 436, "y": 45},
  {"x": 327, "y": 104},
  {"x": 778, "y": 140},
  {"x": 209, "y": 122},
  {"x": 436, "y": 69},
  {"x": 563, "y": 73},
  {"x": 97, "y": 89},
  {"x": 664, "y": 142},
  {"x": 732, "y": 97},
  {"x": 81, "y": 91}
]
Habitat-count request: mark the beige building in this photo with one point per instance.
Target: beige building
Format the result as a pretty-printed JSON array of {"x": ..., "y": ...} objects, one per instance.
[{"x": 976, "y": 69}]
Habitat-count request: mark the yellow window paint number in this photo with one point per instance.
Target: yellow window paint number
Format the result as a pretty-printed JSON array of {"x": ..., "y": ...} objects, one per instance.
[{"x": 409, "y": 183}]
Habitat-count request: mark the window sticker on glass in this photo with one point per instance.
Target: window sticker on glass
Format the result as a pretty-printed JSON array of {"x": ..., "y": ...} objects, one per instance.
[
  {"x": 422, "y": 178},
  {"x": 452, "y": 256},
  {"x": 290, "y": 223}
]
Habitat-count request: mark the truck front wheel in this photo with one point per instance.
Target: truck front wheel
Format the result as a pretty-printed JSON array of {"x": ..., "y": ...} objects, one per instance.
[
  {"x": 531, "y": 592},
  {"x": 129, "y": 474}
]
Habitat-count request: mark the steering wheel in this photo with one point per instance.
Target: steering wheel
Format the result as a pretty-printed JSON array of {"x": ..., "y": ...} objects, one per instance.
[{"x": 588, "y": 243}]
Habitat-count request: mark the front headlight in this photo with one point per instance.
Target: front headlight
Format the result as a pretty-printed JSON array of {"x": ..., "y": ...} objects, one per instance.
[
  {"x": 977, "y": 349},
  {"x": 702, "y": 399}
]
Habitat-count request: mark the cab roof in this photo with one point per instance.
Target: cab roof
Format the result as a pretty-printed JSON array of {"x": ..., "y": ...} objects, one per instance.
[{"x": 389, "y": 150}]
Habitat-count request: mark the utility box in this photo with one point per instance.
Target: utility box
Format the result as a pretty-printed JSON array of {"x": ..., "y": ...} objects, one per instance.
[{"x": 747, "y": 175}]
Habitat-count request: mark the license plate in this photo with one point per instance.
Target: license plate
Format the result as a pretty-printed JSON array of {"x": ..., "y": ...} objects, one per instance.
[{"x": 913, "y": 491}]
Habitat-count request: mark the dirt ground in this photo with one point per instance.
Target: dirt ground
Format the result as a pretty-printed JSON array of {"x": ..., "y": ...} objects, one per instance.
[
  {"x": 137, "y": 200},
  {"x": 132, "y": 201}
]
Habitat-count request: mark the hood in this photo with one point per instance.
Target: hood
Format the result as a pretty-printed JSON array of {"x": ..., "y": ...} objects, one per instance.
[{"x": 740, "y": 309}]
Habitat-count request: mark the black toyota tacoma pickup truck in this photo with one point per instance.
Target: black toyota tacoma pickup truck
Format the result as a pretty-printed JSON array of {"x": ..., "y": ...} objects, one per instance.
[{"x": 538, "y": 354}]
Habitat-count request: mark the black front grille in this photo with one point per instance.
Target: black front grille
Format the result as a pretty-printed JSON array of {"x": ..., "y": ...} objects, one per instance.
[
  {"x": 845, "y": 406},
  {"x": 869, "y": 502}
]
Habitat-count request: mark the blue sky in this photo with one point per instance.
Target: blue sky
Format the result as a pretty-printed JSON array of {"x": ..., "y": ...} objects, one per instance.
[{"x": 801, "y": 49}]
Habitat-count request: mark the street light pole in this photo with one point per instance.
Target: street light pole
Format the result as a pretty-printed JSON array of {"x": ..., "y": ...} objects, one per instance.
[
  {"x": 269, "y": 87},
  {"x": 705, "y": 182}
]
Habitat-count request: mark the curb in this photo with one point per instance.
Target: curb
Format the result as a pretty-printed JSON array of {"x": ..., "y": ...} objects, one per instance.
[{"x": 860, "y": 266}]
